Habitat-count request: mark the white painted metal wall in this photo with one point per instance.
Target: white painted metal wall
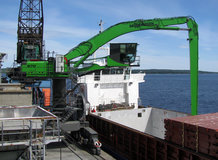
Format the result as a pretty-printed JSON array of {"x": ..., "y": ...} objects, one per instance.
[
  {"x": 148, "y": 120},
  {"x": 112, "y": 88}
]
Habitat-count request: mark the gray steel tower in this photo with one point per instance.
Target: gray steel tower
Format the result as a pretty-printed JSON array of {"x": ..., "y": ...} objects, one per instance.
[{"x": 30, "y": 30}]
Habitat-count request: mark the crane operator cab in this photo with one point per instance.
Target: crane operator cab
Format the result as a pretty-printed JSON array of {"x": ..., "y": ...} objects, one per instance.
[
  {"x": 27, "y": 52},
  {"x": 124, "y": 53}
]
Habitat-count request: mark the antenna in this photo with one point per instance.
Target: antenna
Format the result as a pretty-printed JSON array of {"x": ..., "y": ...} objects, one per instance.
[
  {"x": 101, "y": 30},
  {"x": 101, "y": 25}
]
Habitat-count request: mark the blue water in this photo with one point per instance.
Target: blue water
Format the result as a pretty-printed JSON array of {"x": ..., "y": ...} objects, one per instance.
[{"x": 172, "y": 91}]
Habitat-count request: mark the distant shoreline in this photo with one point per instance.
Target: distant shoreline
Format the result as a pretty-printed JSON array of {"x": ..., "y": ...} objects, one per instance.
[
  {"x": 152, "y": 71},
  {"x": 169, "y": 71}
]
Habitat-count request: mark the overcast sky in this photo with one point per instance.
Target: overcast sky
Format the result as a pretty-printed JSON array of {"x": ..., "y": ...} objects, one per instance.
[{"x": 69, "y": 22}]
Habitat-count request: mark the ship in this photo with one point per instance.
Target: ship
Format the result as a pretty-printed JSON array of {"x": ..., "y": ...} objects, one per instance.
[
  {"x": 129, "y": 130},
  {"x": 102, "y": 108}
]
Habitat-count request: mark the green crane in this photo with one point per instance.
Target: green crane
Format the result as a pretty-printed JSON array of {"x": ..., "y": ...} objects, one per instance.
[{"x": 60, "y": 67}]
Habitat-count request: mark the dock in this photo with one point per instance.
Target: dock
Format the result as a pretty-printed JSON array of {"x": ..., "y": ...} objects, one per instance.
[{"x": 58, "y": 151}]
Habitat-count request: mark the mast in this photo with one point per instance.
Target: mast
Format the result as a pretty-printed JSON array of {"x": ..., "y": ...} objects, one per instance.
[{"x": 30, "y": 28}]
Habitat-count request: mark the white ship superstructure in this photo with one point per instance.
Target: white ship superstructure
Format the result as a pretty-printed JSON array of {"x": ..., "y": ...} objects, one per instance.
[
  {"x": 116, "y": 86},
  {"x": 112, "y": 86}
]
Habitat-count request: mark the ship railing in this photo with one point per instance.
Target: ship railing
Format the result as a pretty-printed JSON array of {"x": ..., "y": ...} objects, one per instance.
[
  {"x": 97, "y": 77},
  {"x": 136, "y": 63},
  {"x": 112, "y": 77}
]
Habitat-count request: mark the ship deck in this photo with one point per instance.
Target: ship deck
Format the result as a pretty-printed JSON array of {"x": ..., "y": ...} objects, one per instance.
[{"x": 56, "y": 151}]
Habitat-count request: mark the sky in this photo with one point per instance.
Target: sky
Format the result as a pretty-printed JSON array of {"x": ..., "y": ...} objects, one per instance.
[{"x": 70, "y": 22}]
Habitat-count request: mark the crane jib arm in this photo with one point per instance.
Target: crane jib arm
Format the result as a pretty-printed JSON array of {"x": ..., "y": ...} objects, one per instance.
[{"x": 87, "y": 48}]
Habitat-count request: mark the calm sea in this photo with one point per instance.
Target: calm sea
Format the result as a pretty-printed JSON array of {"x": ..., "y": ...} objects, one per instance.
[{"x": 172, "y": 91}]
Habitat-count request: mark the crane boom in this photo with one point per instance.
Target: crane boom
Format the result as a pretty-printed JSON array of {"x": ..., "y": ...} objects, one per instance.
[{"x": 87, "y": 48}]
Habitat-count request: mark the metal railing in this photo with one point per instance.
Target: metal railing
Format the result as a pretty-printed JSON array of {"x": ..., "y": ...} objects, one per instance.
[{"x": 34, "y": 134}]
